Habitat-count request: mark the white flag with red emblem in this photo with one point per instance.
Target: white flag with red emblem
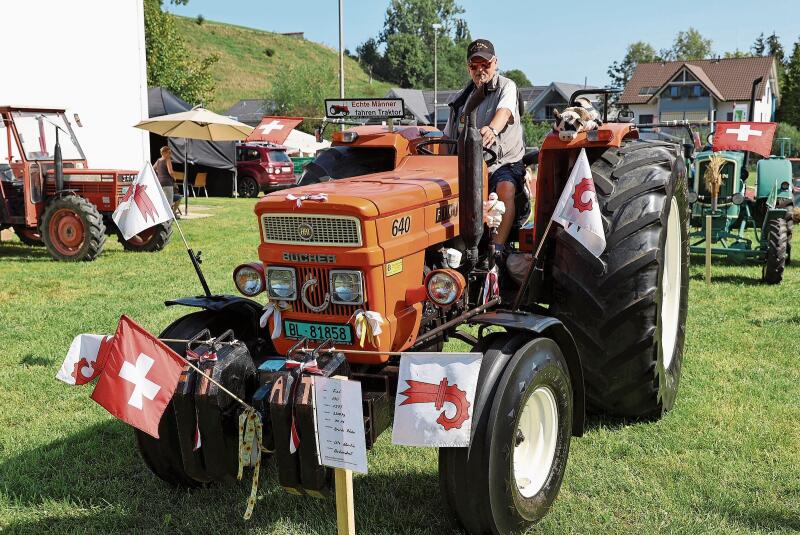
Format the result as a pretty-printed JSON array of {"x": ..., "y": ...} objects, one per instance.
[
  {"x": 85, "y": 359},
  {"x": 139, "y": 377},
  {"x": 753, "y": 137},
  {"x": 143, "y": 205},
  {"x": 577, "y": 209}
]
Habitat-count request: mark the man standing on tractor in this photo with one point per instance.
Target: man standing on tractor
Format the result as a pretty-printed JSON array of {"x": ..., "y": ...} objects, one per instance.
[{"x": 500, "y": 125}]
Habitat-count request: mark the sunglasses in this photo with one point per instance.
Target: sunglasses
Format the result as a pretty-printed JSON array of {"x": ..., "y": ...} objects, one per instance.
[{"x": 479, "y": 65}]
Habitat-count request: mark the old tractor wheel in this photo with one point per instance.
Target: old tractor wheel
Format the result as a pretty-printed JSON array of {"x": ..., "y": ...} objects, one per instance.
[
  {"x": 628, "y": 312},
  {"x": 148, "y": 241},
  {"x": 247, "y": 186},
  {"x": 72, "y": 229},
  {"x": 521, "y": 430},
  {"x": 777, "y": 241},
  {"x": 29, "y": 236}
]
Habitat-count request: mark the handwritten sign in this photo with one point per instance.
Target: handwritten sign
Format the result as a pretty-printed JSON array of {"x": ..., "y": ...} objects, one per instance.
[{"x": 340, "y": 424}]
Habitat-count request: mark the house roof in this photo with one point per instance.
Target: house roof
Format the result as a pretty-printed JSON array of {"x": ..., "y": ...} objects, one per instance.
[
  {"x": 413, "y": 101},
  {"x": 562, "y": 88},
  {"x": 251, "y": 110},
  {"x": 728, "y": 79}
]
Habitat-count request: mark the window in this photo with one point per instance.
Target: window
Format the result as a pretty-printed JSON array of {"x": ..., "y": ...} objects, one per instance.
[
  {"x": 729, "y": 116},
  {"x": 688, "y": 77},
  {"x": 246, "y": 154},
  {"x": 648, "y": 90},
  {"x": 675, "y": 91},
  {"x": 279, "y": 156},
  {"x": 646, "y": 119}
]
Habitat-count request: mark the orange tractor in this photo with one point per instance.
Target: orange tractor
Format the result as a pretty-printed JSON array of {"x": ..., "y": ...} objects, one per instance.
[
  {"x": 51, "y": 197},
  {"x": 579, "y": 333}
]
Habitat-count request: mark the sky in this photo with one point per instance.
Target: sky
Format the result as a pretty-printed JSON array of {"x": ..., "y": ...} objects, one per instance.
[{"x": 572, "y": 41}]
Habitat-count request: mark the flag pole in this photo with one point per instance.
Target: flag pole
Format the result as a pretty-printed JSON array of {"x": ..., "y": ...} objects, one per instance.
[
  {"x": 532, "y": 267},
  {"x": 195, "y": 258}
]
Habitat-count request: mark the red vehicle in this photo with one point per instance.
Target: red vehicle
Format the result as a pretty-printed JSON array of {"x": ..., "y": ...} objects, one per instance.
[
  {"x": 50, "y": 196},
  {"x": 263, "y": 167}
]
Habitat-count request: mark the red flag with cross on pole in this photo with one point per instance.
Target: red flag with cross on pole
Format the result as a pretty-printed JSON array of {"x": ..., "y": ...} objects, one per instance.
[{"x": 753, "y": 137}]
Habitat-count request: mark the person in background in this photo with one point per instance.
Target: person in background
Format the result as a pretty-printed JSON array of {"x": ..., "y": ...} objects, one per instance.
[
  {"x": 166, "y": 177},
  {"x": 498, "y": 119}
]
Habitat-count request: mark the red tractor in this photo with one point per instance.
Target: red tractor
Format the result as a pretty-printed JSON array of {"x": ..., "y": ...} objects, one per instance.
[{"x": 50, "y": 197}]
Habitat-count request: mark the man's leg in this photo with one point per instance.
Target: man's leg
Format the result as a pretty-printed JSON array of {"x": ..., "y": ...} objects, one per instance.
[{"x": 502, "y": 182}]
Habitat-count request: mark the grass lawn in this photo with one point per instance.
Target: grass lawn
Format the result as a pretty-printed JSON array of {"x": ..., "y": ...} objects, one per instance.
[{"x": 725, "y": 460}]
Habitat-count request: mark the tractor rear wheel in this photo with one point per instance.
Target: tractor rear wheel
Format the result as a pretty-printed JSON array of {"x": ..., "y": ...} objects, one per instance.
[
  {"x": 510, "y": 474},
  {"x": 247, "y": 186},
  {"x": 29, "y": 236},
  {"x": 148, "y": 241},
  {"x": 73, "y": 229},
  {"x": 777, "y": 241},
  {"x": 627, "y": 311}
]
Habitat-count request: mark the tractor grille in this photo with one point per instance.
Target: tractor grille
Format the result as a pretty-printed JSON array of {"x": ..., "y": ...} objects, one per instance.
[
  {"x": 727, "y": 188},
  {"x": 317, "y": 294},
  {"x": 336, "y": 231}
]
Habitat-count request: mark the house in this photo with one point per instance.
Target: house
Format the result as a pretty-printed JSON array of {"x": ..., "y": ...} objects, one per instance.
[
  {"x": 250, "y": 111},
  {"x": 710, "y": 89},
  {"x": 554, "y": 96}
]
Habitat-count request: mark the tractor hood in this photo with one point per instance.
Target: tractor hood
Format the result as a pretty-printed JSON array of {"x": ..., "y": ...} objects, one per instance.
[{"x": 418, "y": 181}]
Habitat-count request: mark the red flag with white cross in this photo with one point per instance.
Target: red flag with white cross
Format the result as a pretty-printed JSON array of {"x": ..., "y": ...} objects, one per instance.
[
  {"x": 139, "y": 377},
  {"x": 753, "y": 137},
  {"x": 274, "y": 129}
]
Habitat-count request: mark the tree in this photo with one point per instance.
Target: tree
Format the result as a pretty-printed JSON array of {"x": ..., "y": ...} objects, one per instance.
[
  {"x": 737, "y": 54},
  {"x": 533, "y": 133},
  {"x": 402, "y": 52},
  {"x": 759, "y": 46},
  {"x": 775, "y": 49},
  {"x": 639, "y": 52},
  {"x": 169, "y": 62},
  {"x": 689, "y": 45},
  {"x": 518, "y": 76},
  {"x": 790, "y": 98}
]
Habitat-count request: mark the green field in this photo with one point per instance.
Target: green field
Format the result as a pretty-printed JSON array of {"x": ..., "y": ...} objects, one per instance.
[
  {"x": 245, "y": 70},
  {"x": 725, "y": 460}
]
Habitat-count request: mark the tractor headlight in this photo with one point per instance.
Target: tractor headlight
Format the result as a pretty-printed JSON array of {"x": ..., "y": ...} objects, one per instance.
[
  {"x": 737, "y": 198},
  {"x": 444, "y": 286},
  {"x": 249, "y": 279},
  {"x": 347, "y": 287},
  {"x": 692, "y": 197},
  {"x": 785, "y": 186},
  {"x": 281, "y": 283}
]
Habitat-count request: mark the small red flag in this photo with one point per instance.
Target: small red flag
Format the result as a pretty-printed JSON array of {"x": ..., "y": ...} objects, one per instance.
[
  {"x": 139, "y": 377},
  {"x": 753, "y": 137}
]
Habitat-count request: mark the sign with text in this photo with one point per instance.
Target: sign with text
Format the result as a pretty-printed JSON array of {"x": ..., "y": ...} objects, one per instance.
[
  {"x": 340, "y": 424},
  {"x": 435, "y": 399},
  {"x": 384, "y": 108}
]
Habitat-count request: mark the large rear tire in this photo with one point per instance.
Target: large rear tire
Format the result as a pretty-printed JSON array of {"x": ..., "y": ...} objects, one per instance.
[
  {"x": 73, "y": 229},
  {"x": 777, "y": 245},
  {"x": 628, "y": 312},
  {"x": 522, "y": 425}
]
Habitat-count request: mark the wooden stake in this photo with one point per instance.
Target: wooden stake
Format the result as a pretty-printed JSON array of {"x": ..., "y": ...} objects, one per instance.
[
  {"x": 345, "y": 513},
  {"x": 708, "y": 249}
]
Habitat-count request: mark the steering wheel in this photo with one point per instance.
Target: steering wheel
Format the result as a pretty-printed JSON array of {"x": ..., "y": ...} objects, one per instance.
[{"x": 421, "y": 148}]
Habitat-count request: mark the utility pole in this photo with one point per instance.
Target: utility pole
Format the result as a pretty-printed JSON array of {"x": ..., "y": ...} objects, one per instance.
[
  {"x": 436, "y": 27},
  {"x": 341, "y": 49}
]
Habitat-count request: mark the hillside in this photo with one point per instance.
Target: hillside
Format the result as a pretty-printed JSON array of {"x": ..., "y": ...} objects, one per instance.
[{"x": 245, "y": 70}]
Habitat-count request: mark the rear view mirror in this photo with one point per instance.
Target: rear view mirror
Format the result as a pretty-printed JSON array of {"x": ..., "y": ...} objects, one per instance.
[{"x": 77, "y": 120}]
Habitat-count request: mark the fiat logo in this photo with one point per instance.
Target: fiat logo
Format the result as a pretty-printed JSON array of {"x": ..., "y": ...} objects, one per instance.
[{"x": 305, "y": 231}]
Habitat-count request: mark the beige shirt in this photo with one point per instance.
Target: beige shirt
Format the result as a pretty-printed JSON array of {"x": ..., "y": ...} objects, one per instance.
[{"x": 509, "y": 145}]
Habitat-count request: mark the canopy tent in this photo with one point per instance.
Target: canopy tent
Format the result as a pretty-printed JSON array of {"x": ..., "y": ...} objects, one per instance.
[{"x": 212, "y": 154}]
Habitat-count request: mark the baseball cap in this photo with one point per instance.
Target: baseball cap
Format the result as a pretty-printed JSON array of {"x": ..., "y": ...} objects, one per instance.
[{"x": 482, "y": 48}]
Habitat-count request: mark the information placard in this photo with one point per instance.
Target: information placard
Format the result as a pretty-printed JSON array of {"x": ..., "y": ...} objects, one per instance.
[
  {"x": 384, "y": 108},
  {"x": 340, "y": 424}
]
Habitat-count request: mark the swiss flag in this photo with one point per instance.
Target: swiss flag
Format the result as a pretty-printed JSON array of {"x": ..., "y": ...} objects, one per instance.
[
  {"x": 753, "y": 137},
  {"x": 274, "y": 129},
  {"x": 577, "y": 209},
  {"x": 139, "y": 377}
]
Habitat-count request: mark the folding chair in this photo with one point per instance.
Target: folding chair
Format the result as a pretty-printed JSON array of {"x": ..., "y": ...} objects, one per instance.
[
  {"x": 200, "y": 182},
  {"x": 178, "y": 176}
]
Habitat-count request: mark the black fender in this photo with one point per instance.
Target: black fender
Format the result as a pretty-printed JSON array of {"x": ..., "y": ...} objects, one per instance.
[
  {"x": 548, "y": 327},
  {"x": 772, "y": 214}
]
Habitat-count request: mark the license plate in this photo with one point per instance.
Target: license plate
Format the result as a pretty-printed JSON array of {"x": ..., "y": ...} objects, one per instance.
[{"x": 318, "y": 331}]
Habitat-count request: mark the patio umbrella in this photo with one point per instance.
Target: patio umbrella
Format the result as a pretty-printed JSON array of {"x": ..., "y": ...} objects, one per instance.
[{"x": 197, "y": 123}]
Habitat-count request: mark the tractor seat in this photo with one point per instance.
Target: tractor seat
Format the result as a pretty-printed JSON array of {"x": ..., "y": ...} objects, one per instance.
[{"x": 531, "y": 157}]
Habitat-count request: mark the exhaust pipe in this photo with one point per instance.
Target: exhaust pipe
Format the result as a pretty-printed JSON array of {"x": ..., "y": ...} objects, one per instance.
[
  {"x": 58, "y": 164},
  {"x": 470, "y": 180}
]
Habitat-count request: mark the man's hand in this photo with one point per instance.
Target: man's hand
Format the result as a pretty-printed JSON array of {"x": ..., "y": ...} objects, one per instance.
[{"x": 488, "y": 136}]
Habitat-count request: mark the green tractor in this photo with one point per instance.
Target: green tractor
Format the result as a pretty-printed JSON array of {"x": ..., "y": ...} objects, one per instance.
[{"x": 766, "y": 208}]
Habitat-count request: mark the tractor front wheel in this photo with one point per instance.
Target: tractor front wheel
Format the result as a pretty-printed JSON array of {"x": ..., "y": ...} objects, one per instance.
[
  {"x": 627, "y": 311},
  {"x": 777, "y": 243},
  {"x": 149, "y": 240},
  {"x": 29, "y": 236},
  {"x": 508, "y": 477},
  {"x": 73, "y": 229}
]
